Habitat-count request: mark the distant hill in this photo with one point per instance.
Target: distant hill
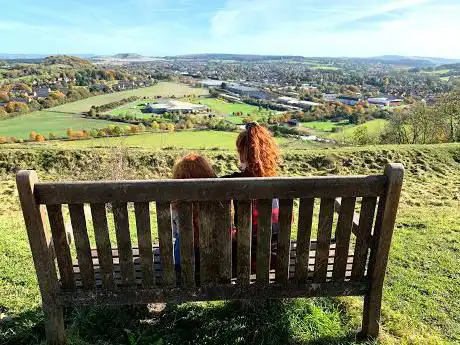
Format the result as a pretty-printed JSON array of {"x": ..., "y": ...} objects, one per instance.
[
  {"x": 236, "y": 57},
  {"x": 122, "y": 58},
  {"x": 417, "y": 61},
  {"x": 65, "y": 60}
]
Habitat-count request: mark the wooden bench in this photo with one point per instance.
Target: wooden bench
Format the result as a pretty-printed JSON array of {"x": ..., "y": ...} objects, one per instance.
[{"x": 351, "y": 261}]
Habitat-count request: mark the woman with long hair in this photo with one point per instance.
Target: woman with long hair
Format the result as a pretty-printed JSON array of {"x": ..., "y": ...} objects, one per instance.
[
  {"x": 259, "y": 156},
  {"x": 190, "y": 166}
]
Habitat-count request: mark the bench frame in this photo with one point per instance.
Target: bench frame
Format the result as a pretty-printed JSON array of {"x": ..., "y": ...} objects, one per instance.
[{"x": 34, "y": 196}]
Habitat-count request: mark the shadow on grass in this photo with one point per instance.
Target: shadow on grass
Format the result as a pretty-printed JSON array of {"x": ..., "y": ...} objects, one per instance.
[{"x": 315, "y": 321}]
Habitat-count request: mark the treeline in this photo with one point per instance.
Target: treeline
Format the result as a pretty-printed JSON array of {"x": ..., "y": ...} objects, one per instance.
[
  {"x": 425, "y": 124},
  {"x": 109, "y": 106}
]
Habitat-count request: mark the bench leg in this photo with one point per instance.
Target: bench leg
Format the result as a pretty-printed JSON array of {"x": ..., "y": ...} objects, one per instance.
[
  {"x": 371, "y": 315},
  {"x": 54, "y": 324}
]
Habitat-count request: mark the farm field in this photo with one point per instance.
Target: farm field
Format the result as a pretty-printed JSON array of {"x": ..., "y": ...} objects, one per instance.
[
  {"x": 60, "y": 118},
  {"x": 420, "y": 303},
  {"x": 45, "y": 122},
  {"x": 227, "y": 109},
  {"x": 185, "y": 140},
  {"x": 374, "y": 128},
  {"x": 325, "y": 126},
  {"x": 164, "y": 89}
]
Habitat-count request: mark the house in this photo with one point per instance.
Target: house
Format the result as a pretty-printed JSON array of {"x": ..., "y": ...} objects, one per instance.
[
  {"x": 293, "y": 123},
  {"x": 247, "y": 91},
  {"x": 210, "y": 83},
  {"x": 41, "y": 92},
  {"x": 349, "y": 100}
]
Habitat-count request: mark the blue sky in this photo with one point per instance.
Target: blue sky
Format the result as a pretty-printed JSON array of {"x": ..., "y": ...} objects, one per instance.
[{"x": 170, "y": 27}]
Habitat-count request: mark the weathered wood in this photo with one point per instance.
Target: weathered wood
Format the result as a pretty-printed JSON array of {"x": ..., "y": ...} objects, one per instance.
[
  {"x": 355, "y": 224},
  {"x": 80, "y": 232},
  {"x": 44, "y": 266},
  {"x": 342, "y": 237},
  {"x": 363, "y": 236},
  {"x": 326, "y": 215},
  {"x": 215, "y": 242},
  {"x": 165, "y": 240},
  {"x": 284, "y": 241},
  {"x": 144, "y": 237},
  {"x": 212, "y": 292},
  {"x": 244, "y": 237},
  {"x": 383, "y": 233},
  {"x": 120, "y": 216},
  {"x": 61, "y": 247},
  {"x": 209, "y": 189},
  {"x": 264, "y": 234},
  {"x": 303, "y": 239},
  {"x": 187, "y": 250},
  {"x": 101, "y": 233}
]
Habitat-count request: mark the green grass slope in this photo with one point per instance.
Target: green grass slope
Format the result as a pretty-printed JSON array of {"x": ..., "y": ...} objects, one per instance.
[
  {"x": 374, "y": 128},
  {"x": 421, "y": 293}
]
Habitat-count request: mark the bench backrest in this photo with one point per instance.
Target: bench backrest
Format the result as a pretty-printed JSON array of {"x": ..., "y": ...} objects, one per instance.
[{"x": 347, "y": 261}]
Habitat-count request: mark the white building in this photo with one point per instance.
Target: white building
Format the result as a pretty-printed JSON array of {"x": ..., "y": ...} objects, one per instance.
[
  {"x": 296, "y": 102},
  {"x": 173, "y": 106},
  {"x": 211, "y": 83}
]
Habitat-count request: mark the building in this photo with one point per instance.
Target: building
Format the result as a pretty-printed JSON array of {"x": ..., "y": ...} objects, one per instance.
[
  {"x": 211, "y": 83},
  {"x": 349, "y": 100},
  {"x": 173, "y": 106},
  {"x": 297, "y": 102},
  {"x": 247, "y": 91},
  {"x": 385, "y": 101},
  {"x": 41, "y": 92},
  {"x": 330, "y": 97}
]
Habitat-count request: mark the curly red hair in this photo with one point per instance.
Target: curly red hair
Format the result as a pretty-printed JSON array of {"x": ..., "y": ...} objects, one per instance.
[
  {"x": 193, "y": 165},
  {"x": 260, "y": 151}
]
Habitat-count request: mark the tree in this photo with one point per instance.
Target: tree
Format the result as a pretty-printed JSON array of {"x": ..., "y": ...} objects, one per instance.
[
  {"x": 51, "y": 136},
  {"x": 361, "y": 136},
  {"x": 4, "y": 98},
  {"x": 448, "y": 107},
  {"x": 32, "y": 136},
  {"x": 16, "y": 107},
  {"x": 3, "y": 112},
  {"x": 39, "y": 138}
]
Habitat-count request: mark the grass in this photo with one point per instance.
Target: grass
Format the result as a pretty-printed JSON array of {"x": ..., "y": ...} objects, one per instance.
[
  {"x": 324, "y": 126},
  {"x": 227, "y": 109},
  {"x": 47, "y": 121},
  {"x": 60, "y": 118},
  {"x": 133, "y": 109},
  {"x": 164, "y": 89},
  {"x": 421, "y": 294},
  {"x": 374, "y": 128}
]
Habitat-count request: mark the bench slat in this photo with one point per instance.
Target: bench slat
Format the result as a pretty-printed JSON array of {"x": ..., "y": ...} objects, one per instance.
[
  {"x": 165, "y": 240},
  {"x": 244, "y": 237},
  {"x": 326, "y": 216},
  {"x": 363, "y": 236},
  {"x": 303, "y": 238},
  {"x": 209, "y": 189},
  {"x": 264, "y": 235},
  {"x": 187, "y": 250},
  {"x": 80, "y": 233},
  {"x": 101, "y": 233},
  {"x": 215, "y": 242},
  {"x": 284, "y": 241},
  {"x": 120, "y": 215},
  {"x": 144, "y": 237},
  {"x": 342, "y": 237},
  {"x": 61, "y": 246}
]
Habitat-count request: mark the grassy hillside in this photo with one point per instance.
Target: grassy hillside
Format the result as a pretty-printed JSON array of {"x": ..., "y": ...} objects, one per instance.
[
  {"x": 374, "y": 128},
  {"x": 60, "y": 118},
  {"x": 421, "y": 294}
]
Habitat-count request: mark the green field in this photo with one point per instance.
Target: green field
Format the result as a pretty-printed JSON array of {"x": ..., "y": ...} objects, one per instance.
[
  {"x": 133, "y": 109},
  {"x": 421, "y": 292},
  {"x": 325, "y": 126},
  {"x": 45, "y": 122},
  {"x": 374, "y": 128},
  {"x": 185, "y": 140},
  {"x": 163, "y": 89},
  {"x": 58, "y": 119},
  {"x": 227, "y": 109}
]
